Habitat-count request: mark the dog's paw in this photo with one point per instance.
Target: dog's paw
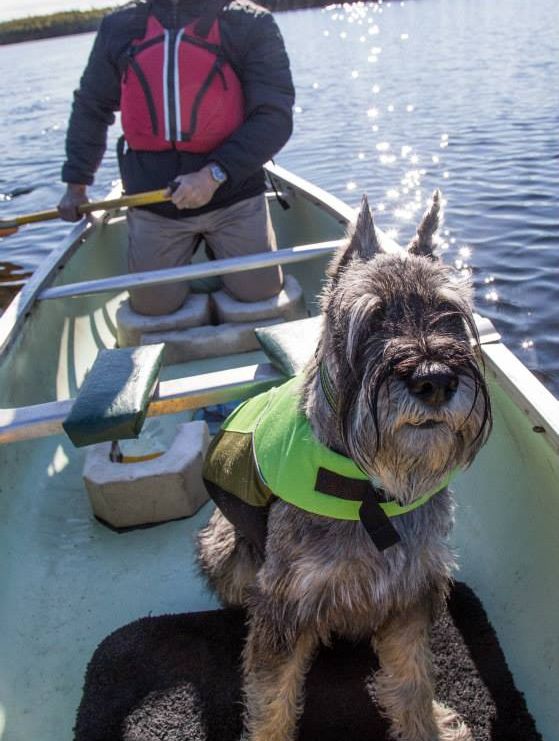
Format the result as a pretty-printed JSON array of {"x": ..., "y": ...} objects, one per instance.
[{"x": 449, "y": 724}]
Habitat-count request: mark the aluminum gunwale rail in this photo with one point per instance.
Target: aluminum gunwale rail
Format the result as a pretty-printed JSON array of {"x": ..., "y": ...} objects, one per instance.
[{"x": 300, "y": 253}]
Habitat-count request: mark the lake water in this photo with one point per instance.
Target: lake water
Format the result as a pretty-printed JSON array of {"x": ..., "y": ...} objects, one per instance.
[{"x": 393, "y": 100}]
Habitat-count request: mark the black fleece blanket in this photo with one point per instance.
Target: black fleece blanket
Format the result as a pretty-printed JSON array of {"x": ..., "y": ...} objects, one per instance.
[{"x": 176, "y": 678}]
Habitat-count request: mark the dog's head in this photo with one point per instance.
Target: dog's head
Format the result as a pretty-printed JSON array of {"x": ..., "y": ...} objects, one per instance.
[{"x": 399, "y": 344}]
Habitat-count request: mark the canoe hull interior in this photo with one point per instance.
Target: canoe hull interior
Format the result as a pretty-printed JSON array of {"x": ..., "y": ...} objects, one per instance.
[{"x": 67, "y": 581}]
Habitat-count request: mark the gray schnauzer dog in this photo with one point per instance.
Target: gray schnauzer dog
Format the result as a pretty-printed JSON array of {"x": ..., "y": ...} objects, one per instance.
[{"x": 394, "y": 386}]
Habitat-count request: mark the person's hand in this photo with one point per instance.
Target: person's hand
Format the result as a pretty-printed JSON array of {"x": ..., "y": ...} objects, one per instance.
[
  {"x": 74, "y": 196},
  {"x": 194, "y": 190}
]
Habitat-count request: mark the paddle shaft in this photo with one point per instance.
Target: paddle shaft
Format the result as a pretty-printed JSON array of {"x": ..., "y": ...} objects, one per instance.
[{"x": 138, "y": 199}]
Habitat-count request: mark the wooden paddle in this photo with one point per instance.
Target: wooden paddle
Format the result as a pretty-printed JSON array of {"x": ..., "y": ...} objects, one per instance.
[{"x": 10, "y": 226}]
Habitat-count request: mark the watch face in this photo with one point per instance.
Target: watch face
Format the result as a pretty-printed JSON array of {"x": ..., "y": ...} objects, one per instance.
[{"x": 218, "y": 174}]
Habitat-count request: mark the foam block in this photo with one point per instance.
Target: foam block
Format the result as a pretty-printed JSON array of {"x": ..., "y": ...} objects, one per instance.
[
  {"x": 131, "y": 326},
  {"x": 206, "y": 342},
  {"x": 156, "y": 490},
  {"x": 289, "y": 304}
]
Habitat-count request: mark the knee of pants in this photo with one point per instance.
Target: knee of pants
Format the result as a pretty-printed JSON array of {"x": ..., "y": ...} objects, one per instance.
[
  {"x": 158, "y": 300},
  {"x": 256, "y": 285}
]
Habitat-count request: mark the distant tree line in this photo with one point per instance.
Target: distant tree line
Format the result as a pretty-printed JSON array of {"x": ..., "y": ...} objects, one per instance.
[{"x": 77, "y": 21}]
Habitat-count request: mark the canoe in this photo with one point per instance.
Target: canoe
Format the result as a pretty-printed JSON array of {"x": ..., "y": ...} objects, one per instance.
[{"x": 67, "y": 581}]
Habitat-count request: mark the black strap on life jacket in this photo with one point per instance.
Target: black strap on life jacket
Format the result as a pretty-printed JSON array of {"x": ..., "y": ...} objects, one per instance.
[{"x": 373, "y": 518}]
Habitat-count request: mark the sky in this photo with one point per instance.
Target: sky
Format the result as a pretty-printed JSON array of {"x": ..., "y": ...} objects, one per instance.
[{"x": 21, "y": 8}]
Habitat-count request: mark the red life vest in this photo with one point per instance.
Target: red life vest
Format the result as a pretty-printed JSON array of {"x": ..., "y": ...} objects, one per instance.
[{"x": 178, "y": 90}]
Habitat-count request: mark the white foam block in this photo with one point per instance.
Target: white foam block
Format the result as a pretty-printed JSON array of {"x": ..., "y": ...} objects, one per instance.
[
  {"x": 207, "y": 342},
  {"x": 131, "y": 326},
  {"x": 157, "y": 490},
  {"x": 289, "y": 304}
]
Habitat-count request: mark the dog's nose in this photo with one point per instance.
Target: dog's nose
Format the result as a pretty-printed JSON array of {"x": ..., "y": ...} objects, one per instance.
[{"x": 433, "y": 386}]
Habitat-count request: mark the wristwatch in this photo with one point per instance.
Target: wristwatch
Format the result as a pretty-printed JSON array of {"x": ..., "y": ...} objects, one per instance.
[{"x": 218, "y": 173}]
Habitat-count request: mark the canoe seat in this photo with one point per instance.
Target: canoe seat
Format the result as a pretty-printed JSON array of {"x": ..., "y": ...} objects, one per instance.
[
  {"x": 290, "y": 346},
  {"x": 113, "y": 400},
  {"x": 190, "y": 334}
]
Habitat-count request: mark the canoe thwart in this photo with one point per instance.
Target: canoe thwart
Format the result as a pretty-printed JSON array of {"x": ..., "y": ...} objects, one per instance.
[
  {"x": 171, "y": 397},
  {"x": 113, "y": 402}
]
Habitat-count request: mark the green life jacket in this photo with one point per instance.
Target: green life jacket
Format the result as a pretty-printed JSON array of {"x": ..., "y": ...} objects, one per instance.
[{"x": 266, "y": 448}]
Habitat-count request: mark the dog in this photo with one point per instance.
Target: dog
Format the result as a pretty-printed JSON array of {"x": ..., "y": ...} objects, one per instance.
[{"x": 394, "y": 390}]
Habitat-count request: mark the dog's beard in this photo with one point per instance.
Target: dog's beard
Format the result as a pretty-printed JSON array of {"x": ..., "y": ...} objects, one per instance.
[{"x": 411, "y": 446}]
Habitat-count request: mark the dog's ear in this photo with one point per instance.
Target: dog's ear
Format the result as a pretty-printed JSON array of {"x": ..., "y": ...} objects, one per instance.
[
  {"x": 424, "y": 241},
  {"x": 363, "y": 242}
]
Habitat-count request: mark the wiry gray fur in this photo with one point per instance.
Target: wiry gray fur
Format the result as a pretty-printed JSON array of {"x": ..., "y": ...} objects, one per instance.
[{"x": 391, "y": 321}]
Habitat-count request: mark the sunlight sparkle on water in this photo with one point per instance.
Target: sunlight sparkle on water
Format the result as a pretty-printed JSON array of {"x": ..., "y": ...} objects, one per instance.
[
  {"x": 527, "y": 344},
  {"x": 372, "y": 112},
  {"x": 383, "y": 146},
  {"x": 375, "y": 89},
  {"x": 492, "y": 296},
  {"x": 351, "y": 185},
  {"x": 403, "y": 214}
]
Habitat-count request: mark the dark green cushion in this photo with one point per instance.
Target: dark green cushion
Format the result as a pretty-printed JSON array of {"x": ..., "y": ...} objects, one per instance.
[
  {"x": 292, "y": 344},
  {"x": 113, "y": 400}
]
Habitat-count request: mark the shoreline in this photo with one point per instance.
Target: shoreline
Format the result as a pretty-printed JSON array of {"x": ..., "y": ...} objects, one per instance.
[{"x": 69, "y": 23}]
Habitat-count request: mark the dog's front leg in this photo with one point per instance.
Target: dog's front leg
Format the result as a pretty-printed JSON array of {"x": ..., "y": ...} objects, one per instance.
[
  {"x": 276, "y": 660},
  {"x": 404, "y": 683}
]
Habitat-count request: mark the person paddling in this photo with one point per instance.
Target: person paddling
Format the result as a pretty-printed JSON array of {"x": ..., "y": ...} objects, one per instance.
[{"x": 206, "y": 98}]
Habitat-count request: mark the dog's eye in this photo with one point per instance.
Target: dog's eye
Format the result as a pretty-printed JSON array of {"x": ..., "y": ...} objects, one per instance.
[{"x": 450, "y": 317}]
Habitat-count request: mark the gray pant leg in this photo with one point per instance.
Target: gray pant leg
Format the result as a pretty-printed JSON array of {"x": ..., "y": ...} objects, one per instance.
[
  {"x": 245, "y": 228},
  {"x": 155, "y": 243}
]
